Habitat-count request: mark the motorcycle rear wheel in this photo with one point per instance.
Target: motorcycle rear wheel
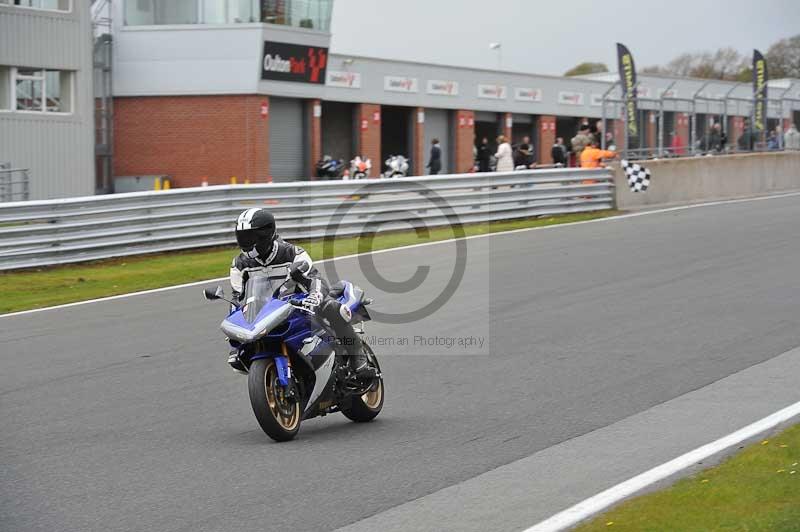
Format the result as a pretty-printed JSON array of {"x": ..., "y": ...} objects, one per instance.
[
  {"x": 366, "y": 407},
  {"x": 279, "y": 417}
]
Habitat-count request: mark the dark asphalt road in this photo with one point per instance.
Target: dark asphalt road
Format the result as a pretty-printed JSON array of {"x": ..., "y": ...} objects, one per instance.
[{"x": 123, "y": 415}]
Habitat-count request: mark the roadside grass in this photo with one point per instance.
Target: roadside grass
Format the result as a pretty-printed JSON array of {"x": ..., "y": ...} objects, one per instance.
[
  {"x": 44, "y": 287},
  {"x": 756, "y": 489}
]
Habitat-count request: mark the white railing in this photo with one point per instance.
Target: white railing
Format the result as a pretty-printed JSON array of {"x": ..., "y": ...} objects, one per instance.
[{"x": 41, "y": 233}]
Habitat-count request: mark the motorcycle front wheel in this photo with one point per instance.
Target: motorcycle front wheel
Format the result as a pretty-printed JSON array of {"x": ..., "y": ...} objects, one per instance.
[{"x": 278, "y": 415}]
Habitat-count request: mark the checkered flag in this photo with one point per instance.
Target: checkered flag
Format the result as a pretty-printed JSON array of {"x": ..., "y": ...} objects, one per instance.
[{"x": 638, "y": 176}]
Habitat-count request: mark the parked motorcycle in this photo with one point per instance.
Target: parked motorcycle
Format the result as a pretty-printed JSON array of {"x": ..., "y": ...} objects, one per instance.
[
  {"x": 359, "y": 168},
  {"x": 330, "y": 168},
  {"x": 396, "y": 166},
  {"x": 296, "y": 368}
]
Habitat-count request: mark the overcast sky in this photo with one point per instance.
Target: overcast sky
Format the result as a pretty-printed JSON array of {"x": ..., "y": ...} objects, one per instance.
[{"x": 550, "y": 37}]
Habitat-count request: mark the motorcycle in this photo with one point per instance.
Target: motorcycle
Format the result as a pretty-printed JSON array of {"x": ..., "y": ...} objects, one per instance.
[
  {"x": 359, "y": 168},
  {"x": 296, "y": 368},
  {"x": 330, "y": 168},
  {"x": 396, "y": 166}
]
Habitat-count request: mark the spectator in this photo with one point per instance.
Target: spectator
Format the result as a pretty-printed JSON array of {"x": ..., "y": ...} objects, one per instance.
[
  {"x": 435, "y": 160},
  {"x": 792, "y": 138},
  {"x": 723, "y": 139},
  {"x": 747, "y": 139},
  {"x": 772, "y": 142},
  {"x": 676, "y": 145},
  {"x": 592, "y": 156},
  {"x": 580, "y": 141},
  {"x": 504, "y": 155},
  {"x": 610, "y": 142},
  {"x": 779, "y": 137},
  {"x": 559, "y": 152},
  {"x": 712, "y": 140},
  {"x": 524, "y": 156},
  {"x": 596, "y": 131},
  {"x": 484, "y": 155}
]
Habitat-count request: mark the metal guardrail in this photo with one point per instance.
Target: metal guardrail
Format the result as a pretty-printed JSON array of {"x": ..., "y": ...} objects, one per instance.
[
  {"x": 41, "y": 233},
  {"x": 14, "y": 184}
]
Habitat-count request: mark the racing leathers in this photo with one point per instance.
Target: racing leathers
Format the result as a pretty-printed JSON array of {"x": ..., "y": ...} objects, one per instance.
[{"x": 278, "y": 264}]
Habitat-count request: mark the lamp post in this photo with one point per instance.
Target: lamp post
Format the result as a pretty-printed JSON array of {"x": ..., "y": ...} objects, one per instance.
[{"x": 499, "y": 48}]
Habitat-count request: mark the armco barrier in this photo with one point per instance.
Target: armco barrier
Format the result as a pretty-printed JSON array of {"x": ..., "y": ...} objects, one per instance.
[
  {"x": 708, "y": 178},
  {"x": 40, "y": 233}
]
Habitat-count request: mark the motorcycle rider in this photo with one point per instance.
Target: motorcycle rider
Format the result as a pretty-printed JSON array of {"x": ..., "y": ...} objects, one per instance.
[{"x": 264, "y": 251}]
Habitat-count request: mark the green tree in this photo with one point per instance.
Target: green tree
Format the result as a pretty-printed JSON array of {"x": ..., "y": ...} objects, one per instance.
[
  {"x": 586, "y": 68},
  {"x": 783, "y": 58}
]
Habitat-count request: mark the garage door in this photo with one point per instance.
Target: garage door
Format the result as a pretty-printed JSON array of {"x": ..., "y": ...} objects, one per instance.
[
  {"x": 287, "y": 141},
  {"x": 437, "y": 126}
]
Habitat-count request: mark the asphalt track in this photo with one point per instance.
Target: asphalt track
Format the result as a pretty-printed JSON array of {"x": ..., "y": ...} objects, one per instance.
[{"x": 122, "y": 415}]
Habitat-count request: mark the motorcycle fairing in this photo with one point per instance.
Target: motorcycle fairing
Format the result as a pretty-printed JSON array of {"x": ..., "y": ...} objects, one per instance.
[{"x": 238, "y": 328}]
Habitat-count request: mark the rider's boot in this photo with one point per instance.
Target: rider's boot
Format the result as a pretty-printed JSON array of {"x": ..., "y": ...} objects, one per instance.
[
  {"x": 235, "y": 363},
  {"x": 359, "y": 363}
]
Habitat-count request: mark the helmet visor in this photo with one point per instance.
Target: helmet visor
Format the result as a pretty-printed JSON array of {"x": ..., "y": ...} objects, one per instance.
[{"x": 249, "y": 238}]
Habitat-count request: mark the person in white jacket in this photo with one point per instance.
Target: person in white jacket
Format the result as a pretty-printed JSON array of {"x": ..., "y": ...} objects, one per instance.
[
  {"x": 504, "y": 156},
  {"x": 792, "y": 138}
]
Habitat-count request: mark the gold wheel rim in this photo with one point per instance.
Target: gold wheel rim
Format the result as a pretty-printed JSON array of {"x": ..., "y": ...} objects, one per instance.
[
  {"x": 373, "y": 397},
  {"x": 288, "y": 423}
]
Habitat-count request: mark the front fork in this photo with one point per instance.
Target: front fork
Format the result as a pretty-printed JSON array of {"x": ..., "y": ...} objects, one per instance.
[{"x": 283, "y": 365}]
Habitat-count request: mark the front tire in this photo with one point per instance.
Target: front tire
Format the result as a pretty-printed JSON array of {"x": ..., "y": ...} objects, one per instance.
[{"x": 278, "y": 416}]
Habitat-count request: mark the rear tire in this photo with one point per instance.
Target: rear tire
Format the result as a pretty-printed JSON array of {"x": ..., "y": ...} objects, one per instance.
[
  {"x": 363, "y": 408},
  {"x": 278, "y": 417}
]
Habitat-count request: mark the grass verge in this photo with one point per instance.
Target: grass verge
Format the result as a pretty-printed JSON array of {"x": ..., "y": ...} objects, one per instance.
[
  {"x": 37, "y": 288},
  {"x": 756, "y": 489}
]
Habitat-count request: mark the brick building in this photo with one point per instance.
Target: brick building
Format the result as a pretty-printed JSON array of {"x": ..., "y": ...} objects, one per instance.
[{"x": 205, "y": 91}]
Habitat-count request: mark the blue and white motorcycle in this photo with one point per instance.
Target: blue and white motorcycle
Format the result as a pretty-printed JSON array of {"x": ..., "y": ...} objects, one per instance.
[{"x": 296, "y": 368}]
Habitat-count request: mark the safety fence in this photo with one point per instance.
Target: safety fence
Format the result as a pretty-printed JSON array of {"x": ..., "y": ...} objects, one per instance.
[
  {"x": 41, "y": 233},
  {"x": 14, "y": 183}
]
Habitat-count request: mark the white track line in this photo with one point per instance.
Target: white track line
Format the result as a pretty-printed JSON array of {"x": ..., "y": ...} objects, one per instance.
[
  {"x": 438, "y": 242},
  {"x": 596, "y": 504}
]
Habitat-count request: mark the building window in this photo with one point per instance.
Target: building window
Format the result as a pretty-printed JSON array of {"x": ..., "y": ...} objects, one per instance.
[
  {"x": 48, "y": 5},
  {"x": 38, "y": 90},
  {"x": 311, "y": 14}
]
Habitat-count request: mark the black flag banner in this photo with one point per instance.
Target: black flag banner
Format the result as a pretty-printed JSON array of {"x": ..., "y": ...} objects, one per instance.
[
  {"x": 627, "y": 77},
  {"x": 760, "y": 80},
  {"x": 638, "y": 176}
]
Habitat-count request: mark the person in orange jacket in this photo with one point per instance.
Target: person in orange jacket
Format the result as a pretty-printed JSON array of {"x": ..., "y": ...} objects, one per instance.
[{"x": 592, "y": 156}]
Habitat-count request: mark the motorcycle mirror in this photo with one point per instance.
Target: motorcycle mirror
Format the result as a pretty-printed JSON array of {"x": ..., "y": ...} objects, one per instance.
[{"x": 212, "y": 295}]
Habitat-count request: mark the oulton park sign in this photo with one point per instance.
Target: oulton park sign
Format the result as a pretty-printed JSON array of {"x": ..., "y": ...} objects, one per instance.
[{"x": 294, "y": 62}]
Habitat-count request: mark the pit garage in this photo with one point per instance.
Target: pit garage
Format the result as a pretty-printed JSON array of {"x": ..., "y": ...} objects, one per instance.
[
  {"x": 287, "y": 140},
  {"x": 338, "y": 131},
  {"x": 439, "y": 125},
  {"x": 487, "y": 124},
  {"x": 396, "y": 134}
]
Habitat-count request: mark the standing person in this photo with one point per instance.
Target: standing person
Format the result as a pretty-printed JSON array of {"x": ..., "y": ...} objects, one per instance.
[
  {"x": 592, "y": 156},
  {"x": 504, "y": 155},
  {"x": 559, "y": 152},
  {"x": 524, "y": 153},
  {"x": 779, "y": 136},
  {"x": 746, "y": 140},
  {"x": 676, "y": 145},
  {"x": 792, "y": 138},
  {"x": 714, "y": 142},
  {"x": 484, "y": 155},
  {"x": 610, "y": 142},
  {"x": 580, "y": 141},
  {"x": 435, "y": 159}
]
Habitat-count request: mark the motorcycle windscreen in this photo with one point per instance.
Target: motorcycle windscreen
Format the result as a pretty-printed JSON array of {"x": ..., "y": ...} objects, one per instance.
[{"x": 259, "y": 291}]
